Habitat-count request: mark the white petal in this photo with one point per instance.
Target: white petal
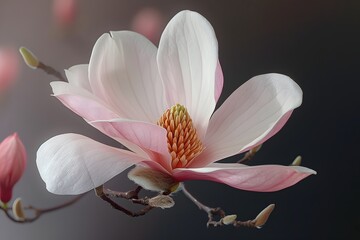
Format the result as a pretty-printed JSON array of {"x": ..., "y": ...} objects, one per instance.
[
  {"x": 78, "y": 76},
  {"x": 252, "y": 114},
  {"x": 187, "y": 59},
  {"x": 74, "y": 164},
  {"x": 123, "y": 71}
]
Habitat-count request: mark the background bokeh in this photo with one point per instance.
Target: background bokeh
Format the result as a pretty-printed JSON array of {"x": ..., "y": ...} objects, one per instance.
[{"x": 314, "y": 42}]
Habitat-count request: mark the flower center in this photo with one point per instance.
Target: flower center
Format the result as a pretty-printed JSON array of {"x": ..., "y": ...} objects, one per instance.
[{"x": 183, "y": 142}]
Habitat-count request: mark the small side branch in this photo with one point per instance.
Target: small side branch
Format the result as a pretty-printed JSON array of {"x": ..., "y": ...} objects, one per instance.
[
  {"x": 133, "y": 194},
  {"x": 105, "y": 195},
  {"x": 224, "y": 219},
  {"x": 51, "y": 71},
  {"x": 38, "y": 212}
]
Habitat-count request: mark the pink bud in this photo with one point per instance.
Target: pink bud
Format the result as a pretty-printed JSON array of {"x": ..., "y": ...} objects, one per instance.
[
  {"x": 12, "y": 165},
  {"x": 9, "y": 66},
  {"x": 148, "y": 22},
  {"x": 64, "y": 12}
]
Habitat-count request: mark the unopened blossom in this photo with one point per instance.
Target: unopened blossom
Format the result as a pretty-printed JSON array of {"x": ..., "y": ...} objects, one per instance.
[
  {"x": 12, "y": 165},
  {"x": 159, "y": 103},
  {"x": 9, "y": 67}
]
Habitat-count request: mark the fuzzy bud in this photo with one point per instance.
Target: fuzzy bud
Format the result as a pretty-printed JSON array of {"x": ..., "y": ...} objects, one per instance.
[
  {"x": 161, "y": 201},
  {"x": 229, "y": 219},
  {"x": 18, "y": 210},
  {"x": 152, "y": 180}
]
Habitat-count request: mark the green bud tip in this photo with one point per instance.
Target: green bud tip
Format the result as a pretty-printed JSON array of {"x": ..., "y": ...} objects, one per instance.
[
  {"x": 29, "y": 58},
  {"x": 297, "y": 161}
]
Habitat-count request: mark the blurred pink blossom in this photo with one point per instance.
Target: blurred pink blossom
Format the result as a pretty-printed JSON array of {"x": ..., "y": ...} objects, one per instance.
[
  {"x": 9, "y": 67},
  {"x": 148, "y": 22},
  {"x": 12, "y": 165},
  {"x": 64, "y": 12}
]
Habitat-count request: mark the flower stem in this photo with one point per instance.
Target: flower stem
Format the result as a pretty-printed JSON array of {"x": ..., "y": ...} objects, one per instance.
[
  {"x": 51, "y": 71},
  {"x": 105, "y": 195},
  {"x": 200, "y": 205}
]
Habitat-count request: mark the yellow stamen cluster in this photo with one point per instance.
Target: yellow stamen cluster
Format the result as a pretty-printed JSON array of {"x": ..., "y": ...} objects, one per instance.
[{"x": 183, "y": 142}]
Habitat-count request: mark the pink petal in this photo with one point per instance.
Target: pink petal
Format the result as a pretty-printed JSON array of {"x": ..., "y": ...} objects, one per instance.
[
  {"x": 82, "y": 102},
  {"x": 92, "y": 109},
  {"x": 74, "y": 164},
  {"x": 252, "y": 114},
  {"x": 187, "y": 59},
  {"x": 219, "y": 81},
  {"x": 123, "y": 72},
  {"x": 145, "y": 135},
  {"x": 263, "y": 178}
]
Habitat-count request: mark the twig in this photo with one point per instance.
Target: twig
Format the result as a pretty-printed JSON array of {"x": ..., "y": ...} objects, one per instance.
[
  {"x": 227, "y": 219},
  {"x": 51, "y": 71},
  {"x": 131, "y": 195},
  {"x": 38, "y": 211}
]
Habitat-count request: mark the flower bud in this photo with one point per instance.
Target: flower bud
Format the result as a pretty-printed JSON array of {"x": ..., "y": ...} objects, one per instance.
[
  {"x": 229, "y": 219},
  {"x": 161, "y": 201},
  {"x": 18, "y": 210},
  {"x": 263, "y": 216},
  {"x": 152, "y": 180},
  {"x": 255, "y": 149},
  {"x": 29, "y": 58},
  {"x": 12, "y": 165},
  {"x": 297, "y": 161}
]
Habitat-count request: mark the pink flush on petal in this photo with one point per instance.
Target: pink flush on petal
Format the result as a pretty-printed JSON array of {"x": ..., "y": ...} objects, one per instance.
[
  {"x": 9, "y": 67},
  {"x": 148, "y": 22},
  {"x": 12, "y": 165},
  {"x": 64, "y": 12}
]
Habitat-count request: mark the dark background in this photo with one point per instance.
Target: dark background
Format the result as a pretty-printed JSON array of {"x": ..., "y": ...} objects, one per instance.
[{"x": 314, "y": 42}]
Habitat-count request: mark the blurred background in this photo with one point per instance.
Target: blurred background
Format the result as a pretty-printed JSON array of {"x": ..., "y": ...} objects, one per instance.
[{"x": 314, "y": 42}]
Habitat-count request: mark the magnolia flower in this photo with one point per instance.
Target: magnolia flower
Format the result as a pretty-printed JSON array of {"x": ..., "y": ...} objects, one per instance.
[
  {"x": 12, "y": 165},
  {"x": 159, "y": 104}
]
